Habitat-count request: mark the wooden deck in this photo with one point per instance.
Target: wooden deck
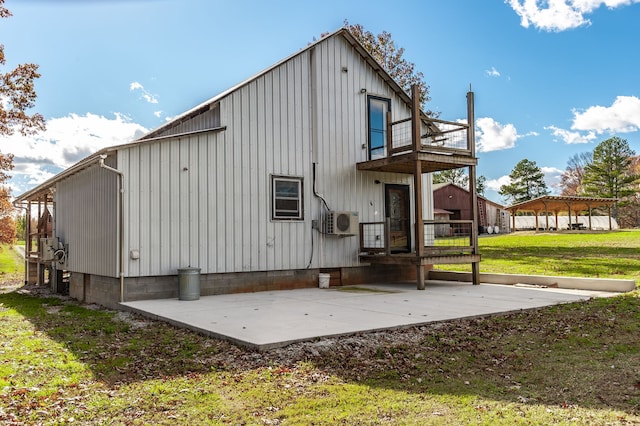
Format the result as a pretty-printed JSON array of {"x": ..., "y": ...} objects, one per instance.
[{"x": 412, "y": 259}]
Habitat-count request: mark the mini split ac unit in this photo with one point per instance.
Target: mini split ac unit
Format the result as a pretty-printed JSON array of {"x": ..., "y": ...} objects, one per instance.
[
  {"x": 48, "y": 246},
  {"x": 341, "y": 223}
]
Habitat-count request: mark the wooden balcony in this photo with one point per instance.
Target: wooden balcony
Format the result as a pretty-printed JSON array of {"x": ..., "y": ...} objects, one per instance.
[
  {"x": 443, "y": 145},
  {"x": 417, "y": 145}
]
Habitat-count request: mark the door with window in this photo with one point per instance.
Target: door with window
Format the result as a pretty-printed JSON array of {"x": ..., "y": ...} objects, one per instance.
[{"x": 398, "y": 211}]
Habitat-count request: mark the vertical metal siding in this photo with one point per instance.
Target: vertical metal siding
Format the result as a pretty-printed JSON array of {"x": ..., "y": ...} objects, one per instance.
[
  {"x": 205, "y": 200},
  {"x": 342, "y": 131},
  {"x": 86, "y": 219},
  {"x": 207, "y": 120}
]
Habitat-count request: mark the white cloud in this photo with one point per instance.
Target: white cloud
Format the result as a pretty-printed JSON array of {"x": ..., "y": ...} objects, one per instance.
[
  {"x": 495, "y": 184},
  {"x": 623, "y": 116},
  {"x": 560, "y": 15},
  {"x": 158, "y": 114},
  {"x": 494, "y": 136},
  {"x": 493, "y": 72},
  {"x": 571, "y": 137},
  {"x": 552, "y": 177},
  {"x": 66, "y": 141},
  {"x": 144, "y": 93}
]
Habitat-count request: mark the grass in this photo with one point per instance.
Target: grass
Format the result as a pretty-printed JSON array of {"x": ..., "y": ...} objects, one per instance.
[
  {"x": 576, "y": 363},
  {"x": 11, "y": 263},
  {"x": 597, "y": 255}
]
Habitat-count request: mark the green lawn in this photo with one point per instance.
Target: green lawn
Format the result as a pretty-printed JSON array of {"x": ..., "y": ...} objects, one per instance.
[
  {"x": 571, "y": 364},
  {"x": 597, "y": 255},
  {"x": 11, "y": 263}
]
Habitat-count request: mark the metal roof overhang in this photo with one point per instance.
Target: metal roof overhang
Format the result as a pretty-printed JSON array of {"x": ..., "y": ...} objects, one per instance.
[
  {"x": 430, "y": 162},
  {"x": 45, "y": 189},
  {"x": 562, "y": 204}
]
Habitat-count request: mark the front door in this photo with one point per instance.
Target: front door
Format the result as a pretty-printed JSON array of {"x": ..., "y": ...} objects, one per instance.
[{"x": 397, "y": 209}]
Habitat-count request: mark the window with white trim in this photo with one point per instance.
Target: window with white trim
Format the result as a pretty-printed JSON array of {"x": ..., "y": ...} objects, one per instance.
[{"x": 286, "y": 198}]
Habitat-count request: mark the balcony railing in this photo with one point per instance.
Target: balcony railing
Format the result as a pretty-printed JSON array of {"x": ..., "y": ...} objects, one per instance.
[
  {"x": 441, "y": 237},
  {"x": 436, "y": 135},
  {"x": 448, "y": 236}
]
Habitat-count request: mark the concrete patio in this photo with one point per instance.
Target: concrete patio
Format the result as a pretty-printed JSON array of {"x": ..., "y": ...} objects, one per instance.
[{"x": 273, "y": 319}]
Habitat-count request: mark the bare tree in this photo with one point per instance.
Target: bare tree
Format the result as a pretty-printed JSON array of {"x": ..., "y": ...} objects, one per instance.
[{"x": 571, "y": 179}]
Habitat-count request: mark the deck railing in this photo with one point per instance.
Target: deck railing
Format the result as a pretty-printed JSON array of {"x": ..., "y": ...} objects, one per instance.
[
  {"x": 436, "y": 135},
  {"x": 448, "y": 236},
  {"x": 440, "y": 237}
]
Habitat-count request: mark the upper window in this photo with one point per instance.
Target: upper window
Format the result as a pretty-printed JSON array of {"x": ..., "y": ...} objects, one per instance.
[
  {"x": 287, "y": 198},
  {"x": 378, "y": 108}
]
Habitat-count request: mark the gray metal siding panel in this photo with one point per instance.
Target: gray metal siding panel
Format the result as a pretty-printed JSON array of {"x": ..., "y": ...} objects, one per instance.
[
  {"x": 207, "y": 120},
  {"x": 205, "y": 200},
  {"x": 86, "y": 219},
  {"x": 342, "y": 131}
]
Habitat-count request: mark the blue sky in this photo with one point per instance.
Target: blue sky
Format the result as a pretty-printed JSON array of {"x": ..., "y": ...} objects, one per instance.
[{"x": 551, "y": 78}]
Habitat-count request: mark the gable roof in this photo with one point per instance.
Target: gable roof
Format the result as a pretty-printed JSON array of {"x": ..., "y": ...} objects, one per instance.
[
  {"x": 90, "y": 160},
  {"x": 562, "y": 203},
  {"x": 342, "y": 32}
]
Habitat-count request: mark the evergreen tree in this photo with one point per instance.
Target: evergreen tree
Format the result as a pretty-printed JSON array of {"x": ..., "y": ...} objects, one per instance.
[
  {"x": 527, "y": 183},
  {"x": 481, "y": 185},
  {"x": 610, "y": 174}
]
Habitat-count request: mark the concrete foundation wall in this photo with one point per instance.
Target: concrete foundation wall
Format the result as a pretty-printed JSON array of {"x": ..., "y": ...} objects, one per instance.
[
  {"x": 95, "y": 289},
  {"x": 106, "y": 290},
  {"x": 578, "y": 283}
]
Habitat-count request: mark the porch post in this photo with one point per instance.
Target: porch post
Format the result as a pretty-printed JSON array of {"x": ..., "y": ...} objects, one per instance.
[
  {"x": 546, "y": 212},
  {"x": 417, "y": 186},
  {"x": 471, "y": 145}
]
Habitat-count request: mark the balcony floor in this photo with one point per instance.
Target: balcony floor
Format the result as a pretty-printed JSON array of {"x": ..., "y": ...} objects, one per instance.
[{"x": 431, "y": 162}]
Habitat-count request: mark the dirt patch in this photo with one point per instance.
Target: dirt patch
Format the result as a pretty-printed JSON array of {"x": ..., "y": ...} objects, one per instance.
[{"x": 135, "y": 321}]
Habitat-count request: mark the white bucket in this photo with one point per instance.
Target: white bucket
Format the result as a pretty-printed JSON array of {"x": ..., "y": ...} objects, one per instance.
[{"x": 323, "y": 280}]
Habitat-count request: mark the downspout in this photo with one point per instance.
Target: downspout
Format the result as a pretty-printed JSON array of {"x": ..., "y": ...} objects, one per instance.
[{"x": 120, "y": 208}]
